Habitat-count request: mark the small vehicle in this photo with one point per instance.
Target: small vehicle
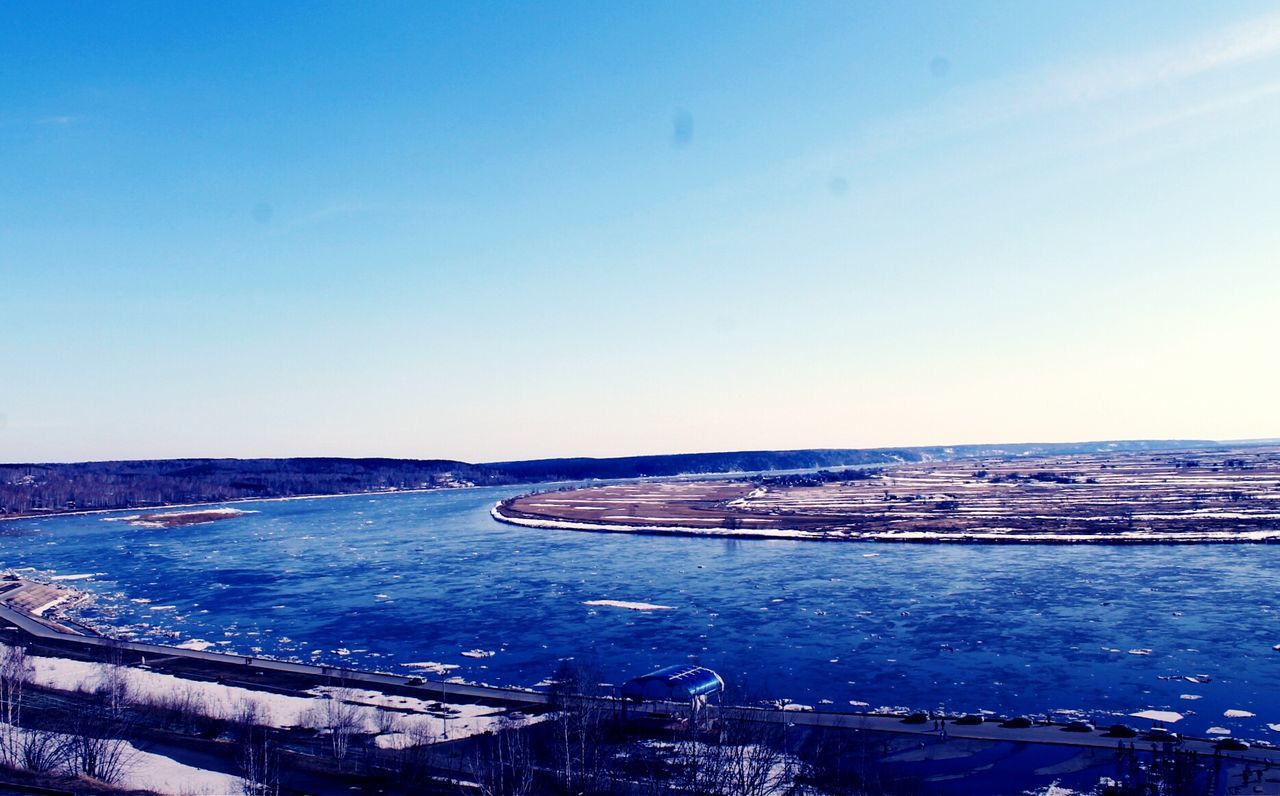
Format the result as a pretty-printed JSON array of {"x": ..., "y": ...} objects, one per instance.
[
  {"x": 414, "y": 681},
  {"x": 1162, "y": 734},
  {"x": 1016, "y": 723},
  {"x": 969, "y": 720},
  {"x": 1231, "y": 745},
  {"x": 1122, "y": 731},
  {"x": 1079, "y": 725},
  {"x": 916, "y": 718}
]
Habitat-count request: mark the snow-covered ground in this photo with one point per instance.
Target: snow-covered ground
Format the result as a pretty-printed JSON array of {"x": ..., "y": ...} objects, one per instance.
[
  {"x": 372, "y": 710},
  {"x": 154, "y": 772}
]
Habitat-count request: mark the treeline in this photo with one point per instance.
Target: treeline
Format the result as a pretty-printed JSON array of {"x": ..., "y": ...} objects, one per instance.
[
  {"x": 86, "y": 486},
  {"x": 820, "y": 477},
  {"x": 36, "y": 488}
]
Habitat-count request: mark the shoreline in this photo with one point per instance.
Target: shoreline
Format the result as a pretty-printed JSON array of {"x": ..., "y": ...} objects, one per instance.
[
  {"x": 280, "y": 499},
  {"x": 185, "y": 663},
  {"x": 733, "y": 474},
  {"x": 277, "y": 677},
  {"x": 909, "y": 537}
]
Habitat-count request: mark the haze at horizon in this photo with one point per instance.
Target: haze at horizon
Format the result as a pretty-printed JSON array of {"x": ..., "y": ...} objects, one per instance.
[{"x": 490, "y": 233}]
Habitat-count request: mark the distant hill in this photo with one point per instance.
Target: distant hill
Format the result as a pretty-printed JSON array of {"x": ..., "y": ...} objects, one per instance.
[
  {"x": 86, "y": 486},
  {"x": 41, "y": 488}
]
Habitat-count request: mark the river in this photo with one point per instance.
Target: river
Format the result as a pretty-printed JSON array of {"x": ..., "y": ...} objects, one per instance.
[{"x": 385, "y": 581}]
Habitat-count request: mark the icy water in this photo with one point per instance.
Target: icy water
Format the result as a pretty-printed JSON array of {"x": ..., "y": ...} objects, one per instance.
[{"x": 383, "y": 581}]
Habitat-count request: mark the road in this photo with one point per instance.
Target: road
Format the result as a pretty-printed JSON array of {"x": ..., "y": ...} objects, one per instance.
[{"x": 517, "y": 698}]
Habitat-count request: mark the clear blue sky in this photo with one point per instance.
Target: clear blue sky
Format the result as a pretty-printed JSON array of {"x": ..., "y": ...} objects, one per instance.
[{"x": 506, "y": 231}]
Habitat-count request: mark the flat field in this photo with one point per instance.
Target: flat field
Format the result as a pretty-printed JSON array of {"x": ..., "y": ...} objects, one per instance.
[{"x": 1204, "y": 495}]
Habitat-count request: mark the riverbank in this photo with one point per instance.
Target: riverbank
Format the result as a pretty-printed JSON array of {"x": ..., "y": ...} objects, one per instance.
[
  {"x": 390, "y": 716},
  {"x": 235, "y": 501},
  {"x": 500, "y": 513},
  {"x": 1225, "y": 496},
  {"x": 285, "y": 691},
  {"x": 323, "y": 582}
]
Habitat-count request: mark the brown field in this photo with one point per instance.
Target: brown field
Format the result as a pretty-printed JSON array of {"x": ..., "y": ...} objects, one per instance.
[{"x": 1215, "y": 495}]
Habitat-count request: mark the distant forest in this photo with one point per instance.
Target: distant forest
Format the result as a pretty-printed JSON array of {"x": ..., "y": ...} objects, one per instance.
[{"x": 27, "y": 489}]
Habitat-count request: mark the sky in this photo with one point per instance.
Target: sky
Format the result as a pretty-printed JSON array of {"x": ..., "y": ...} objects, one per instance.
[{"x": 501, "y": 231}]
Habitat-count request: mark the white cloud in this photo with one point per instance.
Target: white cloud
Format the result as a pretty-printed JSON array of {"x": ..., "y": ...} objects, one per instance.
[{"x": 989, "y": 104}]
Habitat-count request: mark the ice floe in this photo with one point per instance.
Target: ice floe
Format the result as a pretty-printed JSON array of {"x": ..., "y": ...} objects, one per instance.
[
  {"x": 431, "y": 666},
  {"x": 630, "y": 606}
]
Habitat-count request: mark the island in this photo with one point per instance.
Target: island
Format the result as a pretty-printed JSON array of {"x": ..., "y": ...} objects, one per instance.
[{"x": 1189, "y": 496}]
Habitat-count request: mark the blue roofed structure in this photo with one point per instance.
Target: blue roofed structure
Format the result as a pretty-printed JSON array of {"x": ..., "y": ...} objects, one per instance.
[{"x": 679, "y": 683}]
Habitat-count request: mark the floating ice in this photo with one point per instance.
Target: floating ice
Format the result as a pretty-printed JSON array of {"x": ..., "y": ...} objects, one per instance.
[
  {"x": 1218, "y": 731},
  {"x": 1238, "y": 714},
  {"x": 630, "y": 606},
  {"x": 431, "y": 666}
]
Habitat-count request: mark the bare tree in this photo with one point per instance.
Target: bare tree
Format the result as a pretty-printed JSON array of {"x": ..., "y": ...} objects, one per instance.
[
  {"x": 579, "y": 726},
  {"x": 845, "y": 763},
  {"x": 15, "y": 672},
  {"x": 98, "y": 746},
  {"x": 754, "y": 760},
  {"x": 112, "y": 686},
  {"x": 747, "y": 759},
  {"x": 418, "y": 759},
  {"x": 503, "y": 765},
  {"x": 42, "y": 751},
  {"x": 386, "y": 721},
  {"x": 257, "y": 757},
  {"x": 179, "y": 707},
  {"x": 340, "y": 718}
]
